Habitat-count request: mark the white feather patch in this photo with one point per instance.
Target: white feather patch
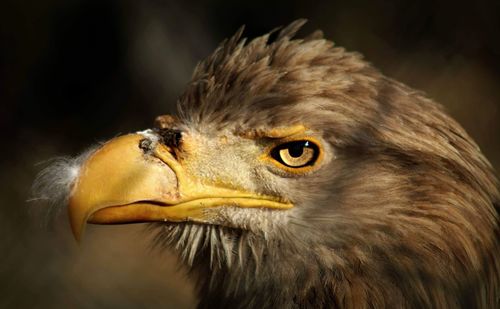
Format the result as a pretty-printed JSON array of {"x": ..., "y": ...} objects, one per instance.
[
  {"x": 150, "y": 135},
  {"x": 52, "y": 186}
]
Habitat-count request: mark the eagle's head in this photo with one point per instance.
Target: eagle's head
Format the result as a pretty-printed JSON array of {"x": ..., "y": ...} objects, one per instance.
[{"x": 296, "y": 174}]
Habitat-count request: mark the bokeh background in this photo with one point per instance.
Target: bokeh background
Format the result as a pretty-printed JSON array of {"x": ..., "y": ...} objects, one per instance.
[{"x": 76, "y": 72}]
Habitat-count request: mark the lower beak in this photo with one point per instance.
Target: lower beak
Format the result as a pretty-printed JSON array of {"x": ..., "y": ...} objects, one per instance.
[{"x": 123, "y": 183}]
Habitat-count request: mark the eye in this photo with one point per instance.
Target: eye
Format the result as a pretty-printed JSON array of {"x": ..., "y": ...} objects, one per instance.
[{"x": 296, "y": 154}]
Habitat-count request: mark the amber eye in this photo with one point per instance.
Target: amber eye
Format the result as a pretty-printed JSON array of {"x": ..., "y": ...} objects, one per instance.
[{"x": 296, "y": 154}]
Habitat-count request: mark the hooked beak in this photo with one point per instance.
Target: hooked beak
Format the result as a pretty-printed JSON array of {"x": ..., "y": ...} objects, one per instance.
[{"x": 124, "y": 183}]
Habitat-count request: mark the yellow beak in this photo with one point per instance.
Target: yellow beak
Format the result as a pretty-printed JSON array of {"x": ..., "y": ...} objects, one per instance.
[{"x": 122, "y": 183}]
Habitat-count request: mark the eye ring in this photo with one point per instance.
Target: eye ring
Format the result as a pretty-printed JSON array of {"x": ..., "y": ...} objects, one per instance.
[{"x": 296, "y": 154}]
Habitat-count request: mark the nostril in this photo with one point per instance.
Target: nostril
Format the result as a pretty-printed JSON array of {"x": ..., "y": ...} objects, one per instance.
[{"x": 145, "y": 144}]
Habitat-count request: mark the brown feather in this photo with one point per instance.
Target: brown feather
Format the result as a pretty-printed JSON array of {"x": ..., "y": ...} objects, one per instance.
[{"x": 403, "y": 217}]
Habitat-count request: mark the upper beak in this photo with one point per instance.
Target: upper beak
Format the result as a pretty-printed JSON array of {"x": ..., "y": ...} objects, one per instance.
[{"x": 122, "y": 183}]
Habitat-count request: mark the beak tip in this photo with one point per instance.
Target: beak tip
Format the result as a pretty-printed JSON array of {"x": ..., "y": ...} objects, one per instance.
[
  {"x": 77, "y": 233},
  {"x": 77, "y": 228}
]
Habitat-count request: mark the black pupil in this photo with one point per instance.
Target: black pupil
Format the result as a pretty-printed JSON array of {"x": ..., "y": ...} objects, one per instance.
[{"x": 297, "y": 149}]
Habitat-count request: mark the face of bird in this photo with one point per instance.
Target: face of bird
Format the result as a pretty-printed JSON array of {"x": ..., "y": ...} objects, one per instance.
[
  {"x": 240, "y": 178},
  {"x": 303, "y": 155}
]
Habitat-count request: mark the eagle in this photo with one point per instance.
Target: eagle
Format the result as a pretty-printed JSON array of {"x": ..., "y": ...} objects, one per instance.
[{"x": 296, "y": 175}]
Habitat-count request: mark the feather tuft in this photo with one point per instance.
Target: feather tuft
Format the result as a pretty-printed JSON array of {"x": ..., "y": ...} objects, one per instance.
[{"x": 52, "y": 187}]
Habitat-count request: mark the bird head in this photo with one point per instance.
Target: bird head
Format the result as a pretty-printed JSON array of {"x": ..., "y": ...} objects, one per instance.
[
  {"x": 248, "y": 149},
  {"x": 299, "y": 158}
]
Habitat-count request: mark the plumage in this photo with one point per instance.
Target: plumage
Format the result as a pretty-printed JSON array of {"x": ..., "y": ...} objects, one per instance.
[{"x": 401, "y": 210}]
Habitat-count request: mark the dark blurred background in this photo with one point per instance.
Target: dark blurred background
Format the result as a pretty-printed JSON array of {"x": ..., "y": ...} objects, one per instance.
[{"x": 76, "y": 72}]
